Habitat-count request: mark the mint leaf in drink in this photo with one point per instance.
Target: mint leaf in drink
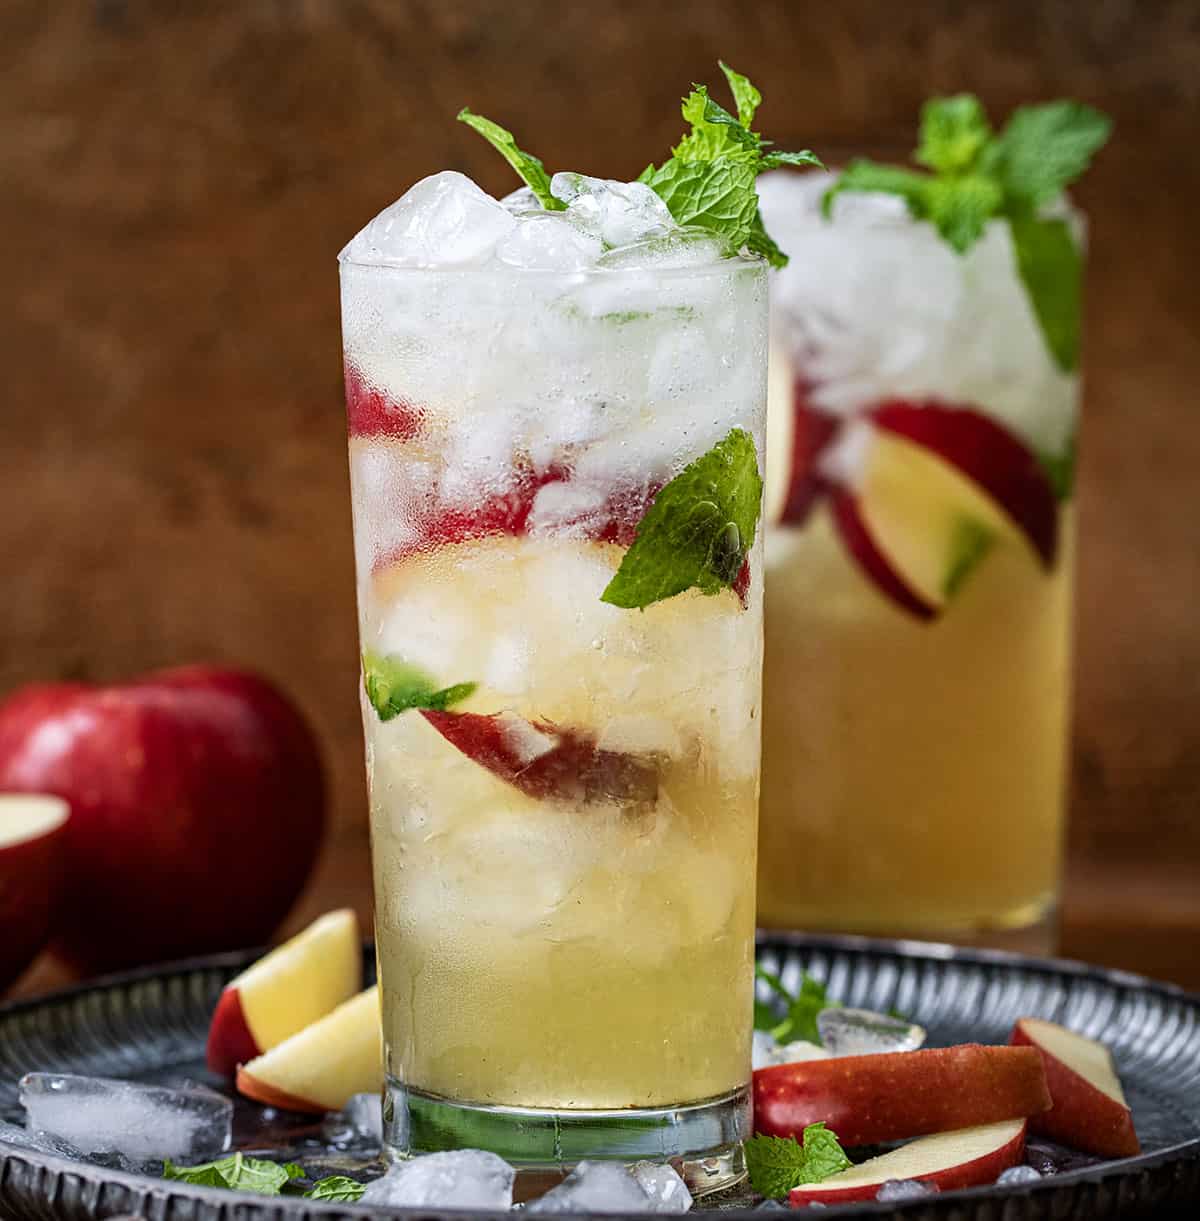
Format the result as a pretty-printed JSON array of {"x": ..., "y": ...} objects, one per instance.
[
  {"x": 1043, "y": 149},
  {"x": 777, "y": 1164},
  {"x": 1060, "y": 470},
  {"x": 800, "y": 1009},
  {"x": 969, "y": 543},
  {"x": 745, "y": 96},
  {"x": 978, "y": 175},
  {"x": 529, "y": 168},
  {"x": 954, "y": 131},
  {"x": 1051, "y": 268},
  {"x": 238, "y": 1172},
  {"x": 337, "y": 1189},
  {"x": 697, "y": 532},
  {"x": 708, "y": 183},
  {"x": 394, "y": 686}
]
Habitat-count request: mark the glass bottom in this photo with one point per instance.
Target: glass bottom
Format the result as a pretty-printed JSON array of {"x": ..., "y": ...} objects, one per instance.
[{"x": 702, "y": 1140}]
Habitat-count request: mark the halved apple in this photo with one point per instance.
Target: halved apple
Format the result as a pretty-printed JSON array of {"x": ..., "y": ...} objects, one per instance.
[
  {"x": 1089, "y": 1110},
  {"x": 323, "y": 1066},
  {"x": 32, "y": 864},
  {"x": 921, "y": 492},
  {"x": 288, "y": 989},
  {"x": 868, "y": 1100},
  {"x": 966, "y": 1158}
]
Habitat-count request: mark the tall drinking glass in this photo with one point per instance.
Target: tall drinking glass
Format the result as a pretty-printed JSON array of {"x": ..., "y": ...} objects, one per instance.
[
  {"x": 919, "y": 581},
  {"x": 563, "y": 792}
]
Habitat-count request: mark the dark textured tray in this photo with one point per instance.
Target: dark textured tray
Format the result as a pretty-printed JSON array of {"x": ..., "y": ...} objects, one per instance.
[{"x": 150, "y": 1025}]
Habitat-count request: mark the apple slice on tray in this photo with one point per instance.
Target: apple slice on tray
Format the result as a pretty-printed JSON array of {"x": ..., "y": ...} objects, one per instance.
[
  {"x": 920, "y": 492},
  {"x": 873, "y": 1099},
  {"x": 968, "y": 1157},
  {"x": 32, "y": 867},
  {"x": 1088, "y": 1110},
  {"x": 323, "y": 1066},
  {"x": 285, "y": 991}
]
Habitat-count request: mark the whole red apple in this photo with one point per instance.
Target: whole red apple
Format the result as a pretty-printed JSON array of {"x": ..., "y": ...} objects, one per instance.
[{"x": 197, "y": 808}]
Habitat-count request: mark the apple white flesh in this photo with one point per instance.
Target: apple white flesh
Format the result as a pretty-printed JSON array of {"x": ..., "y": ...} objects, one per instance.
[
  {"x": 32, "y": 863},
  {"x": 968, "y": 1157},
  {"x": 285, "y": 991},
  {"x": 323, "y": 1066},
  {"x": 1088, "y": 1110}
]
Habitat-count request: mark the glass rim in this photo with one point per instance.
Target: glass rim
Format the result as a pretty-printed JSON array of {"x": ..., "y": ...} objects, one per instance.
[{"x": 728, "y": 266}]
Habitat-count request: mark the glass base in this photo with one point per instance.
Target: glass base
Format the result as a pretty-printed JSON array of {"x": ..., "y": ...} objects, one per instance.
[{"x": 703, "y": 1140}]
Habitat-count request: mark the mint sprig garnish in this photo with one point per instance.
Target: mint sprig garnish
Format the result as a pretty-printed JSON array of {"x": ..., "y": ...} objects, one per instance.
[
  {"x": 798, "y": 1019},
  {"x": 394, "y": 686},
  {"x": 238, "y": 1172},
  {"x": 974, "y": 174},
  {"x": 697, "y": 532},
  {"x": 777, "y": 1164},
  {"x": 709, "y": 181},
  {"x": 530, "y": 169}
]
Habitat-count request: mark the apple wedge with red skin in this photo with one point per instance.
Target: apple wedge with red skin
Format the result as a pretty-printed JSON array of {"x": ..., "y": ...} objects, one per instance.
[
  {"x": 869, "y": 1100},
  {"x": 986, "y": 453},
  {"x": 947, "y": 1161},
  {"x": 548, "y": 762},
  {"x": 197, "y": 808},
  {"x": 32, "y": 867},
  {"x": 1088, "y": 1110}
]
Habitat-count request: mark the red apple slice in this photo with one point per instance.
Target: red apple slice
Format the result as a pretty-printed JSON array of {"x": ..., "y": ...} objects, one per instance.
[
  {"x": 1089, "y": 1110},
  {"x": 323, "y": 1066},
  {"x": 32, "y": 867},
  {"x": 969, "y": 1157},
  {"x": 288, "y": 989},
  {"x": 372, "y": 413},
  {"x": 868, "y": 1100},
  {"x": 547, "y": 761},
  {"x": 916, "y": 520}
]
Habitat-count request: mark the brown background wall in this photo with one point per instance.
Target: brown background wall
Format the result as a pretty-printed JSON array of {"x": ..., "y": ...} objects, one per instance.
[{"x": 179, "y": 177}]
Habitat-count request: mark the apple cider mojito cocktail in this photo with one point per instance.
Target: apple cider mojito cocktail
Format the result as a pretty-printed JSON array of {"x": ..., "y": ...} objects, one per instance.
[
  {"x": 924, "y": 393},
  {"x": 556, "y": 404}
]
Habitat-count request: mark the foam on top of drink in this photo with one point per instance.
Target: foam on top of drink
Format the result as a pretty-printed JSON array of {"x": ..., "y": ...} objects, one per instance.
[{"x": 875, "y": 304}]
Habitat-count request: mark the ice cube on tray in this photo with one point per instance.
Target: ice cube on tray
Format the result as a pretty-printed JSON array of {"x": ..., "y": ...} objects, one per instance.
[
  {"x": 97, "y": 1115},
  {"x": 462, "y": 1178}
]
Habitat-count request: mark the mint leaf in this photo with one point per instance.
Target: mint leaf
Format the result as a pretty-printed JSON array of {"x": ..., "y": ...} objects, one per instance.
[
  {"x": 237, "y": 1172},
  {"x": 777, "y": 1164},
  {"x": 336, "y": 1189},
  {"x": 714, "y": 130},
  {"x": 530, "y": 169},
  {"x": 760, "y": 242},
  {"x": 863, "y": 175},
  {"x": 394, "y": 686},
  {"x": 773, "y": 160},
  {"x": 745, "y": 96},
  {"x": 718, "y": 195},
  {"x": 1051, "y": 269},
  {"x": 960, "y": 208},
  {"x": 698, "y": 530},
  {"x": 1045, "y": 148},
  {"x": 1060, "y": 470},
  {"x": 954, "y": 131},
  {"x": 969, "y": 543},
  {"x": 800, "y": 1017}
]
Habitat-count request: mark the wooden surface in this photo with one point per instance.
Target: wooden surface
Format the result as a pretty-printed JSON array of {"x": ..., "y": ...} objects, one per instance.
[{"x": 179, "y": 178}]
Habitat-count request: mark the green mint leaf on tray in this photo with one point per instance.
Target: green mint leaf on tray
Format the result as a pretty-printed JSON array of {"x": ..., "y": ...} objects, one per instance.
[
  {"x": 697, "y": 532},
  {"x": 1051, "y": 268},
  {"x": 977, "y": 175},
  {"x": 394, "y": 686},
  {"x": 530, "y": 169},
  {"x": 800, "y": 1009},
  {"x": 777, "y": 1164},
  {"x": 337, "y": 1189},
  {"x": 237, "y": 1172}
]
